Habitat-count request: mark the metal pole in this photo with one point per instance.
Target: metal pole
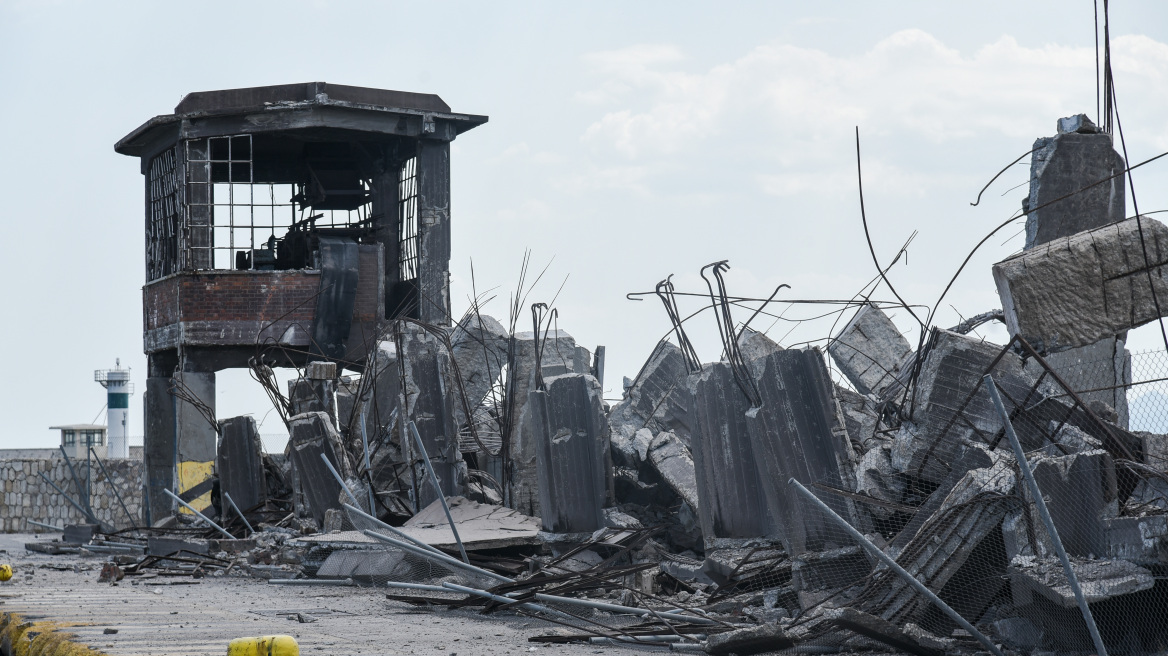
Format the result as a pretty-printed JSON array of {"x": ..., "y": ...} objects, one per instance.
[
  {"x": 440, "y": 557},
  {"x": 201, "y": 515},
  {"x": 84, "y": 513},
  {"x": 1040, "y": 504},
  {"x": 539, "y": 608},
  {"x": 391, "y": 529},
  {"x": 438, "y": 490},
  {"x": 337, "y": 476},
  {"x": 342, "y": 582},
  {"x": 239, "y": 512},
  {"x": 118, "y": 495},
  {"x": 368, "y": 468},
  {"x": 88, "y": 512},
  {"x": 588, "y": 603},
  {"x": 895, "y": 567},
  {"x": 55, "y": 528}
]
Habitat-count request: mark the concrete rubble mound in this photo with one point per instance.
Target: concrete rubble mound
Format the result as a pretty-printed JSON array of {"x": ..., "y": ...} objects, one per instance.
[{"x": 865, "y": 494}]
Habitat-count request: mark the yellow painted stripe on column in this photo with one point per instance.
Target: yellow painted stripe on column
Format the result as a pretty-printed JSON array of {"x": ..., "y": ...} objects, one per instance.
[{"x": 190, "y": 474}]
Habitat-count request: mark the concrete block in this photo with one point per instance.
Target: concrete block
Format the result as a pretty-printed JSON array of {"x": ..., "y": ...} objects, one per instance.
[
  {"x": 730, "y": 501},
  {"x": 568, "y": 423},
  {"x": 672, "y": 460},
  {"x": 1077, "y": 290},
  {"x": 792, "y": 436},
  {"x": 240, "y": 462},
  {"x": 869, "y": 350},
  {"x": 1064, "y": 164}
]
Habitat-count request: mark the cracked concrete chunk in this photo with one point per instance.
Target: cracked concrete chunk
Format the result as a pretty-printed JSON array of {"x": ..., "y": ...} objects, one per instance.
[
  {"x": 673, "y": 461},
  {"x": 572, "y": 453},
  {"x": 869, "y": 350},
  {"x": 1077, "y": 290}
]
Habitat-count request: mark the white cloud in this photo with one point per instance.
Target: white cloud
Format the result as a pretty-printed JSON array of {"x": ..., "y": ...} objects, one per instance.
[{"x": 908, "y": 83}]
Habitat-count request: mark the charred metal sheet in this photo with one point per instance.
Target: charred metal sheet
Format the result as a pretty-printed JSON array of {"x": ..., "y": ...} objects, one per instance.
[{"x": 339, "y": 274}]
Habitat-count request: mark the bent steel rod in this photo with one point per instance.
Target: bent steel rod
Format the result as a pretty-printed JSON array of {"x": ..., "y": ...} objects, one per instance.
[
  {"x": 613, "y": 608},
  {"x": 895, "y": 567},
  {"x": 437, "y": 490},
  {"x": 201, "y": 515},
  {"x": 1040, "y": 504}
]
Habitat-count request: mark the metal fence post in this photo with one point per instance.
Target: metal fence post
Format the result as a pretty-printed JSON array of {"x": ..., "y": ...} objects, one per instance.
[{"x": 1040, "y": 504}]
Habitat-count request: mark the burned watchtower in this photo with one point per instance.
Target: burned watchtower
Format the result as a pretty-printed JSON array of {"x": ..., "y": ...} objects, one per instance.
[{"x": 287, "y": 218}]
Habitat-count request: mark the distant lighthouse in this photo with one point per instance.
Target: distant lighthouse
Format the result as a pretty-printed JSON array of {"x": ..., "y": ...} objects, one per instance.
[{"x": 116, "y": 381}]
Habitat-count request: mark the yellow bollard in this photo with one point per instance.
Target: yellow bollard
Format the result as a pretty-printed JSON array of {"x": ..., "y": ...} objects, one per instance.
[
  {"x": 276, "y": 645},
  {"x": 5, "y": 572}
]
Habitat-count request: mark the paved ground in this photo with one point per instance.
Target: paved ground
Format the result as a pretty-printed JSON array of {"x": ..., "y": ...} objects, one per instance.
[{"x": 202, "y": 618}]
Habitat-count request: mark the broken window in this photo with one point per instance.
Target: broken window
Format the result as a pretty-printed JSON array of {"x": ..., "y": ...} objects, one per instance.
[
  {"x": 407, "y": 210},
  {"x": 252, "y": 203},
  {"x": 162, "y": 223}
]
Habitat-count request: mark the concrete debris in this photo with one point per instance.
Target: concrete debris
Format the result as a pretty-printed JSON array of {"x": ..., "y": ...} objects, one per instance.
[
  {"x": 792, "y": 436},
  {"x": 312, "y": 435},
  {"x": 573, "y": 455},
  {"x": 658, "y": 399},
  {"x": 1064, "y": 170},
  {"x": 869, "y": 350},
  {"x": 480, "y": 345},
  {"x": 752, "y": 640},
  {"x": 730, "y": 501},
  {"x": 240, "y": 462},
  {"x": 674, "y": 505},
  {"x": 429, "y": 396},
  {"x": 1100, "y": 580},
  {"x": 560, "y": 355},
  {"x": 1077, "y": 290},
  {"x": 673, "y": 462}
]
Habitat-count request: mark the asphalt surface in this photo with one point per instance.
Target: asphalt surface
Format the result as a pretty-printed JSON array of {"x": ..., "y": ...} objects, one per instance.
[{"x": 174, "y": 615}]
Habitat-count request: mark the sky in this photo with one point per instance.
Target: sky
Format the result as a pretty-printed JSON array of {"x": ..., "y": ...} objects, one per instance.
[{"x": 626, "y": 142}]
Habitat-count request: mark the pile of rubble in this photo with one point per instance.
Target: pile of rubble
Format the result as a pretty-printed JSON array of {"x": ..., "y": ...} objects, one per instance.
[{"x": 750, "y": 504}]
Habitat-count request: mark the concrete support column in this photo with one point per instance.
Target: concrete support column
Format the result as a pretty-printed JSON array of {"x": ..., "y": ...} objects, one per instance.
[
  {"x": 434, "y": 232},
  {"x": 179, "y": 451}
]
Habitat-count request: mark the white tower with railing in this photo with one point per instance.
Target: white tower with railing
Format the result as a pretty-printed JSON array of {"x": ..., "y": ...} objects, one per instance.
[{"x": 116, "y": 381}]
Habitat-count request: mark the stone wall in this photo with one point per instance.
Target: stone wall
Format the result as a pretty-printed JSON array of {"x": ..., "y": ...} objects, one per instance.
[{"x": 27, "y": 496}]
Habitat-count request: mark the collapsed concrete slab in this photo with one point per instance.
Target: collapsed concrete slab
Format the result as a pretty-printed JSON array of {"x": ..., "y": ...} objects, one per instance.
[
  {"x": 658, "y": 399},
  {"x": 793, "y": 434},
  {"x": 941, "y": 546},
  {"x": 860, "y": 417},
  {"x": 1100, "y": 580},
  {"x": 672, "y": 460},
  {"x": 1063, "y": 172},
  {"x": 573, "y": 462},
  {"x": 1077, "y": 290},
  {"x": 752, "y": 640},
  {"x": 560, "y": 356},
  {"x": 480, "y": 350},
  {"x": 949, "y": 404},
  {"x": 869, "y": 350},
  {"x": 914, "y": 641},
  {"x": 730, "y": 501},
  {"x": 240, "y": 462}
]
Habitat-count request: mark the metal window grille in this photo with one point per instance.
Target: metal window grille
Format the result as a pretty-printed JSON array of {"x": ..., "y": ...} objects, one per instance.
[
  {"x": 407, "y": 210},
  {"x": 162, "y": 228},
  {"x": 229, "y": 212}
]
